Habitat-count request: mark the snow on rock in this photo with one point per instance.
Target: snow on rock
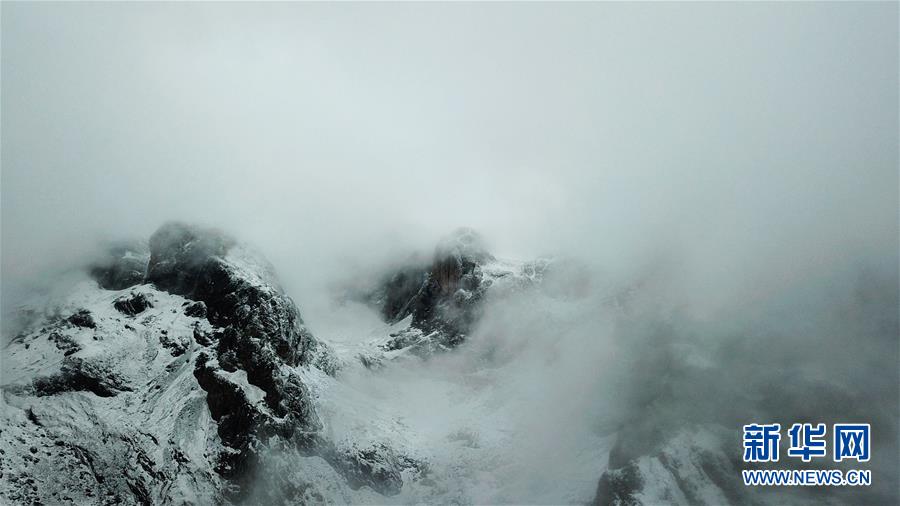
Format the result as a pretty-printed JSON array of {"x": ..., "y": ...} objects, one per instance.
[
  {"x": 259, "y": 333},
  {"x": 692, "y": 467},
  {"x": 164, "y": 390},
  {"x": 183, "y": 374},
  {"x": 697, "y": 465},
  {"x": 105, "y": 414},
  {"x": 444, "y": 299},
  {"x": 133, "y": 304},
  {"x": 123, "y": 265}
]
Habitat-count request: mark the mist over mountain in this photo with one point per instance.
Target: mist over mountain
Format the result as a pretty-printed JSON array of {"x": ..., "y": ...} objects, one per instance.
[{"x": 300, "y": 253}]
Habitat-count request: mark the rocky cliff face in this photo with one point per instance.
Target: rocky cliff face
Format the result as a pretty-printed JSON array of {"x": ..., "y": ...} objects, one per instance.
[
  {"x": 258, "y": 331},
  {"x": 177, "y": 368},
  {"x": 445, "y": 298},
  {"x": 692, "y": 466},
  {"x": 181, "y": 373},
  {"x": 123, "y": 264},
  {"x": 108, "y": 413}
]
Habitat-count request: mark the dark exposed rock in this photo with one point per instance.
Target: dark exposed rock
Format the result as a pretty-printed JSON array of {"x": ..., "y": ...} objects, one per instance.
[
  {"x": 132, "y": 304},
  {"x": 260, "y": 331},
  {"x": 693, "y": 465},
  {"x": 251, "y": 339},
  {"x": 416, "y": 342},
  {"x": 83, "y": 319},
  {"x": 237, "y": 419},
  {"x": 371, "y": 361},
  {"x": 180, "y": 255},
  {"x": 108, "y": 465},
  {"x": 618, "y": 487},
  {"x": 176, "y": 344},
  {"x": 64, "y": 342},
  {"x": 443, "y": 297},
  {"x": 321, "y": 356},
  {"x": 195, "y": 309},
  {"x": 77, "y": 374},
  {"x": 398, "y": 292},
  {"x": 245, "y": 426},
  {"x": 376, "y": 466},
  {"x": 123, "y": 266},
  {"x": 192, "y": 262},
  {"x": 202, "y": 336}
]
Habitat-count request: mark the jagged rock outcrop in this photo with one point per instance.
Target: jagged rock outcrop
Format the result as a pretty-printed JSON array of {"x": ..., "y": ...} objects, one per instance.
[
  {"x": 113, "y": 416},
  {"x": 78, "y": 374},
  {"x": 102, "y": 465},
  {"x": 620, "y": 487},
  {"x": 690, "y": 467},
  {"x": 124, "y": 265},
  {"x": 132, "y": 304},
  {"x": 83, "y": 318},
  {"x": 239, "y": 291},
  {"x": 195, "y": 309},
  {"x": 444, "y": 296},
  {"x": 259, "y": 332},
  {"x": 377, "y": 466},
  {"x": 194, "y": 342}
]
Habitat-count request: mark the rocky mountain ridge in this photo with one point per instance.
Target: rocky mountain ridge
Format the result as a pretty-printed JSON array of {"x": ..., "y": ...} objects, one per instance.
[
  {"x": 181, "y": 373},
  {"x": 444, "y": 298},
  {"x": 200, "y": 343}
]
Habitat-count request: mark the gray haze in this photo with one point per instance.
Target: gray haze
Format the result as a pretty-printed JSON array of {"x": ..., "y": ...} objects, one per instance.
[
  {"x": 743, "y": 158},
  {"x": 757, "y": 143}
]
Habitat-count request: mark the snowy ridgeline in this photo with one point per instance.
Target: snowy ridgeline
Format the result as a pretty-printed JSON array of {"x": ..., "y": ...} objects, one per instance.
[{"x": 184, "y": 375}]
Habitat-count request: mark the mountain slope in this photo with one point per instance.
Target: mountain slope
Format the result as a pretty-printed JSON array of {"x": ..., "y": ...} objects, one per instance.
[{"x": 189, "y": 375}]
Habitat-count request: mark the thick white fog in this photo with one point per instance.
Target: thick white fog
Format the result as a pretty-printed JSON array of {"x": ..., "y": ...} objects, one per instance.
[
  {"x": 754, "y": 142},
  {"x": 738, "y": 161}
]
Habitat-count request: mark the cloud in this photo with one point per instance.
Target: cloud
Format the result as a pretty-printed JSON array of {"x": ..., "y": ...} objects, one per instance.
[{"x": 725, "y": 155}]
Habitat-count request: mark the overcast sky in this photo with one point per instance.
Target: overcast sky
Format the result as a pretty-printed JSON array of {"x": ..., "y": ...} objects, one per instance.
[{"x": 755, "y": 140}]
